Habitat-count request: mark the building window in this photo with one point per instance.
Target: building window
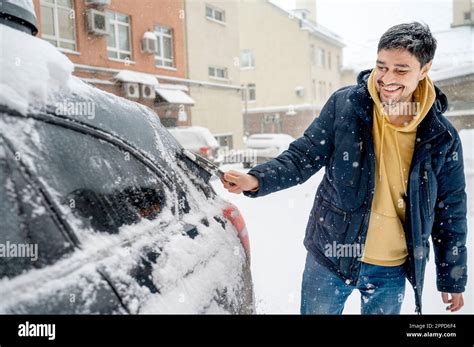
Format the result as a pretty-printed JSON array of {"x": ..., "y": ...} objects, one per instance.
[
  {"x": 218, "y": 72},
  {"x": 247, "y": 60},
  {"x": 118, "y": 41},
  {"x": 57, "y": 23},
  {"x": 313, "y": 87},
  {"x": 312, "y": 55},
  {"x": 322, "y": 57},
  {"x": 214, "y": 13},
  {"x": 252, "y": 92},
  {"x": 225, "y": 141},
  {"x": 467, "y": 15},
  {"x": 165, "y": 56},
  {"x": 329, "y": 60},
  {"x": 339, "y": 62},
  {"x": 322, "y": 86}
]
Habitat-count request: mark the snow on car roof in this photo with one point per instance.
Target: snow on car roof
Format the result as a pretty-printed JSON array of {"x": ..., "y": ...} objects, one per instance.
[
  {"x": 25, "y": 4},
  {"x": 269, "y": 136},
  {"x": 32, "y": 70},
  {"x": 202, "y": 136}
]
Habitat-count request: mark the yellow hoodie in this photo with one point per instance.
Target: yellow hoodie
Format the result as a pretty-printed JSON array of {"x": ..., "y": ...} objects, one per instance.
[{"x": 394, "y": 145}]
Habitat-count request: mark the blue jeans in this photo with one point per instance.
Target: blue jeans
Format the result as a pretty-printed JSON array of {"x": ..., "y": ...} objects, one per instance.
[{"x": 382, "y": 289}]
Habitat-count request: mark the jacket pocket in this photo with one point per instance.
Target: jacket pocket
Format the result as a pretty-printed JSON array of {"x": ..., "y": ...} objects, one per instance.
[
  {"x": 428, "y": 187},
  {"x": 331, "y": 224}
]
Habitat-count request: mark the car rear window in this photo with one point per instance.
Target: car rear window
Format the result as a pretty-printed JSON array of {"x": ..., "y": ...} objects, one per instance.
[
  {"x": 101, "y": 184},
  {"x": 31, "y": 236}
]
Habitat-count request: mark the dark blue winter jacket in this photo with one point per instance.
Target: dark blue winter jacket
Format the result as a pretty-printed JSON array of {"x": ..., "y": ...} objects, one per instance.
[{"x": 436, "y": 197}]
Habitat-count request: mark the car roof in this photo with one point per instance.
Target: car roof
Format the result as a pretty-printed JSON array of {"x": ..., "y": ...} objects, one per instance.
[
  {"x": 202, "y": 136},
  {"x": 268, "y": 136},
  {"x": 44, "y": 83}
]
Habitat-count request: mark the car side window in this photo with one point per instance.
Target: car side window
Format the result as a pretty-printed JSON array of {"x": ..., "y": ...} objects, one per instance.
[
  {"x": 103, "y": 185},
  {"x": 30, "y": 234}
]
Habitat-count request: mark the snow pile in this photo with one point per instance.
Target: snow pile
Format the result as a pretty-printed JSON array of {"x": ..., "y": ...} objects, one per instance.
[
  {"x": 278, "y": 254},
  {"x": 31, "y": 70},
  {"x": 467, "y": 139},
  {"x": 136, "y": 77}
]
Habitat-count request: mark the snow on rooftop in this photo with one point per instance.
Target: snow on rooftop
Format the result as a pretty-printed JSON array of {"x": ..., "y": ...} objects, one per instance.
[
  {"x": 311, "y": 26},
  {"x": 455, "y": 47},
  {"x": 31, "y": 70},
  {"x": 452, "y": 72},
  {"x": 175, "y": 96},
  {"x": 136, "y": 77}
]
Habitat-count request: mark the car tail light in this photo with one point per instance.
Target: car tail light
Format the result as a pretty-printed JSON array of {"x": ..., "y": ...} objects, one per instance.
[
  {"x": 233, "y": 215},
  {"x": 204, "y": 150}
]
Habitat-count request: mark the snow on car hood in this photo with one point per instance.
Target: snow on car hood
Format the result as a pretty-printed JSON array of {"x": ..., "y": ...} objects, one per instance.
[{"x": 31, "y": 70}]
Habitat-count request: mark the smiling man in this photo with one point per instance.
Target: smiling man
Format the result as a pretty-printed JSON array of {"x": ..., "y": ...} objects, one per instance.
[{"x": 394, "y": 177}]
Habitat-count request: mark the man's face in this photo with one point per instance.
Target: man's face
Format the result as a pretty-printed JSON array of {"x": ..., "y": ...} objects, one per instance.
[{"x": 397, "y": 74}]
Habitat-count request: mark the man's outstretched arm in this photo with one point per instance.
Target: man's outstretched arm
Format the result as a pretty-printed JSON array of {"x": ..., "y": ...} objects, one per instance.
[{"x": 304, "y": 157}]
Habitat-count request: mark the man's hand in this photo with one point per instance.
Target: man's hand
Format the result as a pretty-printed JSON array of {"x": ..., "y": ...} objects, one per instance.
[
  {"x": 456, "y": 301},
  {"x": 241, "y": 182}
]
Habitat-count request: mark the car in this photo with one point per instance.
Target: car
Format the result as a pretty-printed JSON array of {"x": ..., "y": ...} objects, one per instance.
[
  {"x": 101, "y": 213},
  {"x": 198, "y": 140},
  {"x": 263, "y": 147}
]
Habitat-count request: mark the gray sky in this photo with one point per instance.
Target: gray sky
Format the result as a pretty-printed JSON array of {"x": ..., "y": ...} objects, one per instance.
[{"x": 360, "y": 23}]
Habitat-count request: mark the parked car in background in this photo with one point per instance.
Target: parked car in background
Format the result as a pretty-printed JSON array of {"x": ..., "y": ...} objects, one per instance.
[
  {"x": 198, "y": 140},
  {"x": 263, "y": 147},
  {"x": 101, "y": 212}
]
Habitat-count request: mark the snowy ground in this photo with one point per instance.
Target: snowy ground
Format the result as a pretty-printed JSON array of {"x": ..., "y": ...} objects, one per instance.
[{"x": 276, "y": 225}]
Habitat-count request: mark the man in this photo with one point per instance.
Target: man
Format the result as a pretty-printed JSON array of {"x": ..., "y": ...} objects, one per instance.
[{"x": 393, "y": 176}]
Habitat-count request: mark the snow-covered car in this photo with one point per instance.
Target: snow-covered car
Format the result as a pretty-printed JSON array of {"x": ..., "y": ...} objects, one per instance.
[
  {"x": 264, "y": 147},
  {"x": 198, "y": 140},
  {"x": 100, "y": 212}
]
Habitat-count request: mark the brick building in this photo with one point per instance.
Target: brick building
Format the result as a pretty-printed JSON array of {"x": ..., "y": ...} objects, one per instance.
[{"x": 134, "y": 49}]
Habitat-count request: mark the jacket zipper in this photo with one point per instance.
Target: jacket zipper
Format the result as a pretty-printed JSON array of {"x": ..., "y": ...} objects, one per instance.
[{"x": 427, "y": 190}]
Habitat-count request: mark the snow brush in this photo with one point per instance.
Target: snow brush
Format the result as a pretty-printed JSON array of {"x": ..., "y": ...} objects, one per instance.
[{"x": 205, "y": 164}]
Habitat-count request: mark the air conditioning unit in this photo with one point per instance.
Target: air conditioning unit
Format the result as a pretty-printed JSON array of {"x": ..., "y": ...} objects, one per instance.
[
  {"x": 147, "y": 91},
  {"x": 131, "y": 90},
  {"x": 150, "y": 43},
  {"x": 96, "y": 22},
  {"x": 299, "y": 91},
  {"x": 98, "y": 2}
]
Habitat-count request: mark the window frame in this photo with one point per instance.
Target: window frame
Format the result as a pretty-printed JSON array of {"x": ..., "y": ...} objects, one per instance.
[
  {"x": 254, "y": 89},
  {"x": 117, "y": 49},
  {"x": 160, "y": 40},
  {"x": 57, "y": 35},
  {"x": 215, "y": 10},
  {"x": 251, "y": 59},
  {"x": 321, "y": 57},
  {"x": 216, "y": 68}
]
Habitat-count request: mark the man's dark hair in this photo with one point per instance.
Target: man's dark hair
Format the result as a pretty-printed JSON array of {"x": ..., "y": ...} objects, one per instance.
[{"x": 415, "y": 37}]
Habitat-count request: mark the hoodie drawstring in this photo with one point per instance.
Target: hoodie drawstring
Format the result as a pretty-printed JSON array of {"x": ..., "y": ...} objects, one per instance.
[
  {"x": 398, "y": 155},
  {"x": 381, "y": 148}
]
